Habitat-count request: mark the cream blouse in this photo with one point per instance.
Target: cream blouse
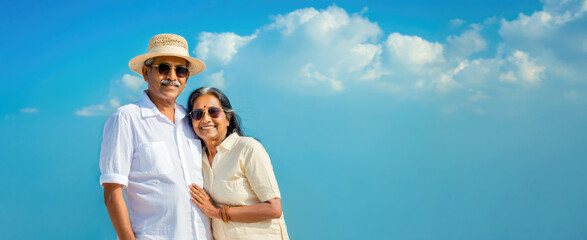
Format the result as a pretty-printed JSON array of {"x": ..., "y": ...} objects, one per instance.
[{"x": 242, "y": 174}]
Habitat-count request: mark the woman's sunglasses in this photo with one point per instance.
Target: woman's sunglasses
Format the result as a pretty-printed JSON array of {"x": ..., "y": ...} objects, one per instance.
[
  {"x": 197, "y": 114},
  {"x": 180, "y": 71}
]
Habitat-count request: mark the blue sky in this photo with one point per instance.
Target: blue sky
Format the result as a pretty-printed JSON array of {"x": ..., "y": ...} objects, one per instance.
[{"x": 384, "y": 119}]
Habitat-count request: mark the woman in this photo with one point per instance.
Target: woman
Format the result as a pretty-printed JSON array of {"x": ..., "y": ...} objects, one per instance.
[{"x": 241, "y": 197}]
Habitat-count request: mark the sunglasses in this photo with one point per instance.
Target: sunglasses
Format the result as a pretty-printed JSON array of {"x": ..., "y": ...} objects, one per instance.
[
  {"x": 180, "y": 71},
  {"x": 198, "y": 114}
]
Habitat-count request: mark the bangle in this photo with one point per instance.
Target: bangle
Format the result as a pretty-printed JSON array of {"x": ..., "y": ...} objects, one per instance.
[{"x": 224, "y": 213}]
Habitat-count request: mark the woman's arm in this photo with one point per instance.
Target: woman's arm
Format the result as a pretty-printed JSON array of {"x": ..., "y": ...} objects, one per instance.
[
  {"x": 269, "y": 209},
  {"x": 117, "y": 210}
]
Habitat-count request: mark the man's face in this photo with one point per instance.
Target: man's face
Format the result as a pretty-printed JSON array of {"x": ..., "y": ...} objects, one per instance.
[{"x": 160, "y": 89}]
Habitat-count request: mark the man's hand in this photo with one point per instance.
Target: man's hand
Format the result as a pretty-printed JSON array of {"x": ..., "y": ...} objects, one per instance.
[{"x": 117, "y": 210}]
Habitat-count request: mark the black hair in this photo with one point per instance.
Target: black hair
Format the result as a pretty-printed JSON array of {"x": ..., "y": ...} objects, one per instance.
[{"x": 234, "y": 120}]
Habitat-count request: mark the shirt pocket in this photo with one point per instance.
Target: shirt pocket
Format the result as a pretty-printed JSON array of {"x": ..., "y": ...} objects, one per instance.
[
  {"x": 154, "y": 158},
  {"x": 234, "y": 185},
  {"x": 236, "y": 192}
]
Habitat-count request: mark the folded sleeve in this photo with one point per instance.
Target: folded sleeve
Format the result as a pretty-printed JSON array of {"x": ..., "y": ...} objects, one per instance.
[
  {"x": 116, "y": 151},
  {"x": 259, "y": 172}
]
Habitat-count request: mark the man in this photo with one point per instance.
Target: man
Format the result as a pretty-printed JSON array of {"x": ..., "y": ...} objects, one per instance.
[{"x": 150, "y": 151}]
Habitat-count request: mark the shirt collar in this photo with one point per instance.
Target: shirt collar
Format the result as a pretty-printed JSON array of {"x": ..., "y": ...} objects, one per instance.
[
  {"x": 148, "y": 108},
  {"x": 229, "y": 141}
]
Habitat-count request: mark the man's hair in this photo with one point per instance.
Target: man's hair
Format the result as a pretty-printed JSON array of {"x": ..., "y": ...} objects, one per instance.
[{"x": 149, "y": 62}]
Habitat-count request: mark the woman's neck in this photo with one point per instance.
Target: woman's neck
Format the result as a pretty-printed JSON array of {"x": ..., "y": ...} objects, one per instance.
[{"x": 212, "y": 148}]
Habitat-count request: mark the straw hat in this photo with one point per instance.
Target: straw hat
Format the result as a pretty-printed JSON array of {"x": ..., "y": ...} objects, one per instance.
[{"x": 167, "y": 45}]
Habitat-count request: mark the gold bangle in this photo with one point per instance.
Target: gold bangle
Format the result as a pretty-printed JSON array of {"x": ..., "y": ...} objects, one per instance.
[{"x": 225, "y": 216}]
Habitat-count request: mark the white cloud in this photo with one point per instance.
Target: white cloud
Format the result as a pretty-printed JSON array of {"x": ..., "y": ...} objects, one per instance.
[
  {"x": 29, "y": 110},
  {"x": 133, "y": 82},
  {"x": 508, "y": 77},
  {"x": 555, "y": 38},
  {"x": 446, "y": 81},
  {"x": 220, "y": 47},
  {"x": 538, "y": 25},
  {"x": 330, "y": 50},
  {"x": 91, "y": 111},
  {"x": 290, "y": 22},
  {"x": 362, "y": 55},
  {"x": 528, "y": 70},
  {"x": 312, "y": 78},
  {"x": 216, "y": 80},
  {"x": 375, "y": 71},
  {"x": 123, "y": 90},
  {"x": 490, "y": 20},
  {"x": 468, "y": 42},
  {"x": 566, "y": 9},
  {"x": 327, "y": 49},
  {"x": 413, "y": 49},
  {"x": 457, "y": 22},
  {"x": 330, "y": 20},
  {"x": 114, "y": 103},
  {"x": 99, "y": 109}
]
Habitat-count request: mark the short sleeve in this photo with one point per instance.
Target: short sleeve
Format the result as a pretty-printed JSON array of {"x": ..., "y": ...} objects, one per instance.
[
  {"x": 116, "y": 151},
  {"x": 259, "y": 172}
]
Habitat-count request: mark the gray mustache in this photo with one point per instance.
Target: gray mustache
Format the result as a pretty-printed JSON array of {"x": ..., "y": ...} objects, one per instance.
[{"x": 167, "y": 81}]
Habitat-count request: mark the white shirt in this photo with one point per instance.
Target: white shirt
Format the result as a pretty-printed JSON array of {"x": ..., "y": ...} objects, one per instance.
[{"x": 155, "y": 160}]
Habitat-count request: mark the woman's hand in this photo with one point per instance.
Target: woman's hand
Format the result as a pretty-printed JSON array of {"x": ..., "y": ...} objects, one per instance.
[{"x": 201, "y": 198}]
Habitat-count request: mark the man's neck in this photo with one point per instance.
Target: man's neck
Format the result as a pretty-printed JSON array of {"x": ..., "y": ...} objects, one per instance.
[{"x": 165, "y": 106}]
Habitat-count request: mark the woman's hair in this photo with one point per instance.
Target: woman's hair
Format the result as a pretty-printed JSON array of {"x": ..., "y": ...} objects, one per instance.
[{"x": 234, "y": 119}]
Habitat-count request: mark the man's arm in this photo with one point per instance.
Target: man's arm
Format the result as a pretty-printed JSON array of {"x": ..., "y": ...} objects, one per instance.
[{"x": 117, "y": 210}]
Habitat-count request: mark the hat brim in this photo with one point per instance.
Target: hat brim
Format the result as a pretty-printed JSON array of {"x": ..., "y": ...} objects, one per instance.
[{"x": 136, "y": 64}]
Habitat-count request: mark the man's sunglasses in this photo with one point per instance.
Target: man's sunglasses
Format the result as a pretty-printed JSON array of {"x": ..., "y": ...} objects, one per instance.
[
  {"x": 198, "y": 114},
  {"x": 180, "y": 71}
]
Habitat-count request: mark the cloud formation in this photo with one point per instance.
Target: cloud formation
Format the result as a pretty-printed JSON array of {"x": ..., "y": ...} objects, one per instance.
[
  {"x": 413, "y": 50},
  {"x": 215, "y": 80},
  {"x": 467, "y": 43},
  {"x": 220, "y": 47},
  {"x": 328, "y": 50},
  {"x": 125, "y": 89}
]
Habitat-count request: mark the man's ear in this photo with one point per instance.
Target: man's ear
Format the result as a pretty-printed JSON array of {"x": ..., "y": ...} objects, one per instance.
[{"x": 145, "y": 73}]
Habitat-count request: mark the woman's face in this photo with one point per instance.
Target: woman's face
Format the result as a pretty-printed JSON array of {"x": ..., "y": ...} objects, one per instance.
[{"x": 209, "y": 128}]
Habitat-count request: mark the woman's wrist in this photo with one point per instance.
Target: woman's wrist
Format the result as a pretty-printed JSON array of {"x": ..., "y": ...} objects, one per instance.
[
  {"x": 224, "y": 215},
  {"x": 218, "y": 212}
]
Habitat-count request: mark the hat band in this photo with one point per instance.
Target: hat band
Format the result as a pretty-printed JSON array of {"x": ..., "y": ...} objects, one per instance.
[{"x": 170, "y": 50}]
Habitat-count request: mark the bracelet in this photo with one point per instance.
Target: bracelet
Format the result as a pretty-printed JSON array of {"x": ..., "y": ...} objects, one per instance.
[{"x": 224, "y": 213}]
